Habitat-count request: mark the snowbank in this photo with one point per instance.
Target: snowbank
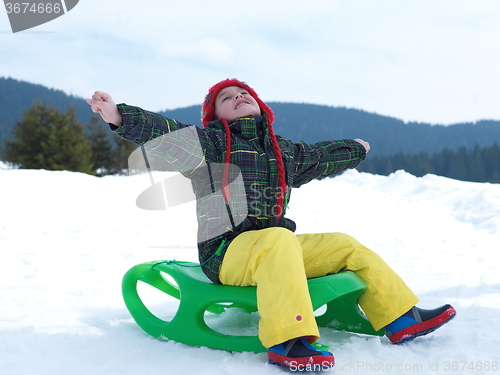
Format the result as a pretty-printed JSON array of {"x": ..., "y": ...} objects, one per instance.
[{"x": 66, "y": 239}]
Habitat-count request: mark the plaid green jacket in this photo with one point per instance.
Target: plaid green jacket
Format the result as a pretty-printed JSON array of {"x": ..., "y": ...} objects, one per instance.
[{"x": 253, "y": 174}]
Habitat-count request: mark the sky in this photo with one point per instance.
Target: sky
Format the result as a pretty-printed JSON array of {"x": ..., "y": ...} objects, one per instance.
[{"x": 433, "y": 61}]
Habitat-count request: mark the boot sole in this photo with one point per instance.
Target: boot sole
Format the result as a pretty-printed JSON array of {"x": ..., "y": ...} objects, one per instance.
[
  {"x": 424, "y": 328},
  {"x": 312, "y": 362}
]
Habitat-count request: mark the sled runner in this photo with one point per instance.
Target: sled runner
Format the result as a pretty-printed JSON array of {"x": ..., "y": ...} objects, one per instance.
[{"x": 198, "y": 294}]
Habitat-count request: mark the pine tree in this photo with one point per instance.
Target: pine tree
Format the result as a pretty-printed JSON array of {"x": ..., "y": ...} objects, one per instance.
[
  {"x": 423, "y": 164},
  {"x": 102, "y": 149},
  {"x": 386, "y": 166},
  {"x": 491, "y": 157},
  {"x": 122, "y": 151},
  {"x": 48, "y": 139},
  {"x": 458, "y": 169},
  {"x": 442, "y": 161},
  {"x": 477, "y": 171}
]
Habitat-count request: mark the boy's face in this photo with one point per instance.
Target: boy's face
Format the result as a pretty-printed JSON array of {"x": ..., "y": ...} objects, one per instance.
[{"x": 233, "y": 102}]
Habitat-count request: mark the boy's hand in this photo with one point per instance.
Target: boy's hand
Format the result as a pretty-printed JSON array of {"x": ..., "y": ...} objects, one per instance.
[
  {"x": 366, "y": 145},
  {"x": 103, "y": 104}
]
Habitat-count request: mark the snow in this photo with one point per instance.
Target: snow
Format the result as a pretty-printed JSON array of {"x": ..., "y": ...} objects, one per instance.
[{"x": 67, "y": 239}]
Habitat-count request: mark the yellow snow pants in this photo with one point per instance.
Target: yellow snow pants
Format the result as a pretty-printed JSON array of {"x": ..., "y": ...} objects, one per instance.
[{"x": 279, "y": 263}]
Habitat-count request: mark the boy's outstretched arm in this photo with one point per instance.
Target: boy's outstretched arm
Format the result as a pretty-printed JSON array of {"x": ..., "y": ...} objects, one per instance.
[
  {"x": 103, "y": 104},
  {"x": 326, "y": 158}
]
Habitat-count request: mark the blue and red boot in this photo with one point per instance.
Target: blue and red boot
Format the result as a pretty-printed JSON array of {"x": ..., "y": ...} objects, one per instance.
[
  {"x": 418, "y": 322},
  {"x": 299, "y": 354}
]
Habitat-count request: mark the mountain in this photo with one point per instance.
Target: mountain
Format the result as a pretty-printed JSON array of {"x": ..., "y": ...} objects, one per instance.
[
  {"x": 296, "y": 121},
  {"x": 386, "y": 135}
]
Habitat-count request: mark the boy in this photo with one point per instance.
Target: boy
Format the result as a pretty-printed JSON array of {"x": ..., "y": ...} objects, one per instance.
[{"x": 261, "y": 248}]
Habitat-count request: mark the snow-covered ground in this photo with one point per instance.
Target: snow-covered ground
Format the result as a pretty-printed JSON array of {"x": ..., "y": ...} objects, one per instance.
[{"x": 66, "y": 240}]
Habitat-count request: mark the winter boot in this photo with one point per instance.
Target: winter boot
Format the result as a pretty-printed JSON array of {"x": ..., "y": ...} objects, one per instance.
[
  {"x": 298, "y": 354},
  {"x": 418, "y": 322}
]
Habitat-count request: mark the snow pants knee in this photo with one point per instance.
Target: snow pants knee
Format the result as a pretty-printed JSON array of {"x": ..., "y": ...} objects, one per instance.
[{"x": 279, "y": 263}]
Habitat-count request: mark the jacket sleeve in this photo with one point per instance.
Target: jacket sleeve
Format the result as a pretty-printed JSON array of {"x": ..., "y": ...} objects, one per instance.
[
  {"x": 324, "y": 159},
  {"x": 182, "y": 146},
  {"x": 140, "y": 126}
]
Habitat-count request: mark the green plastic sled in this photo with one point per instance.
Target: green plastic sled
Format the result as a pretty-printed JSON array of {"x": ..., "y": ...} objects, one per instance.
[{"x": 198, "y": 294}]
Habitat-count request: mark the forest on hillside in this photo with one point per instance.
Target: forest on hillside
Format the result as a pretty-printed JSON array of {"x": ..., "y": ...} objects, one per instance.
[
  {"x": 295, "y": 121},
  {"x": 467, "y": 151},
  {"x": 479, "y": 164}
]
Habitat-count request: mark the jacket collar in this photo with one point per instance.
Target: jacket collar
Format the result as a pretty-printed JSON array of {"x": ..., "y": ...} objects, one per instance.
[{"x": 244, "y": 127}]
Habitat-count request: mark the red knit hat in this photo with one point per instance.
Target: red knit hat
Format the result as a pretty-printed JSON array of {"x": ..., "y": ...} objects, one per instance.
[
  {"x": 208, "y": 106},
  {"x": 208, "y": 115}
]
